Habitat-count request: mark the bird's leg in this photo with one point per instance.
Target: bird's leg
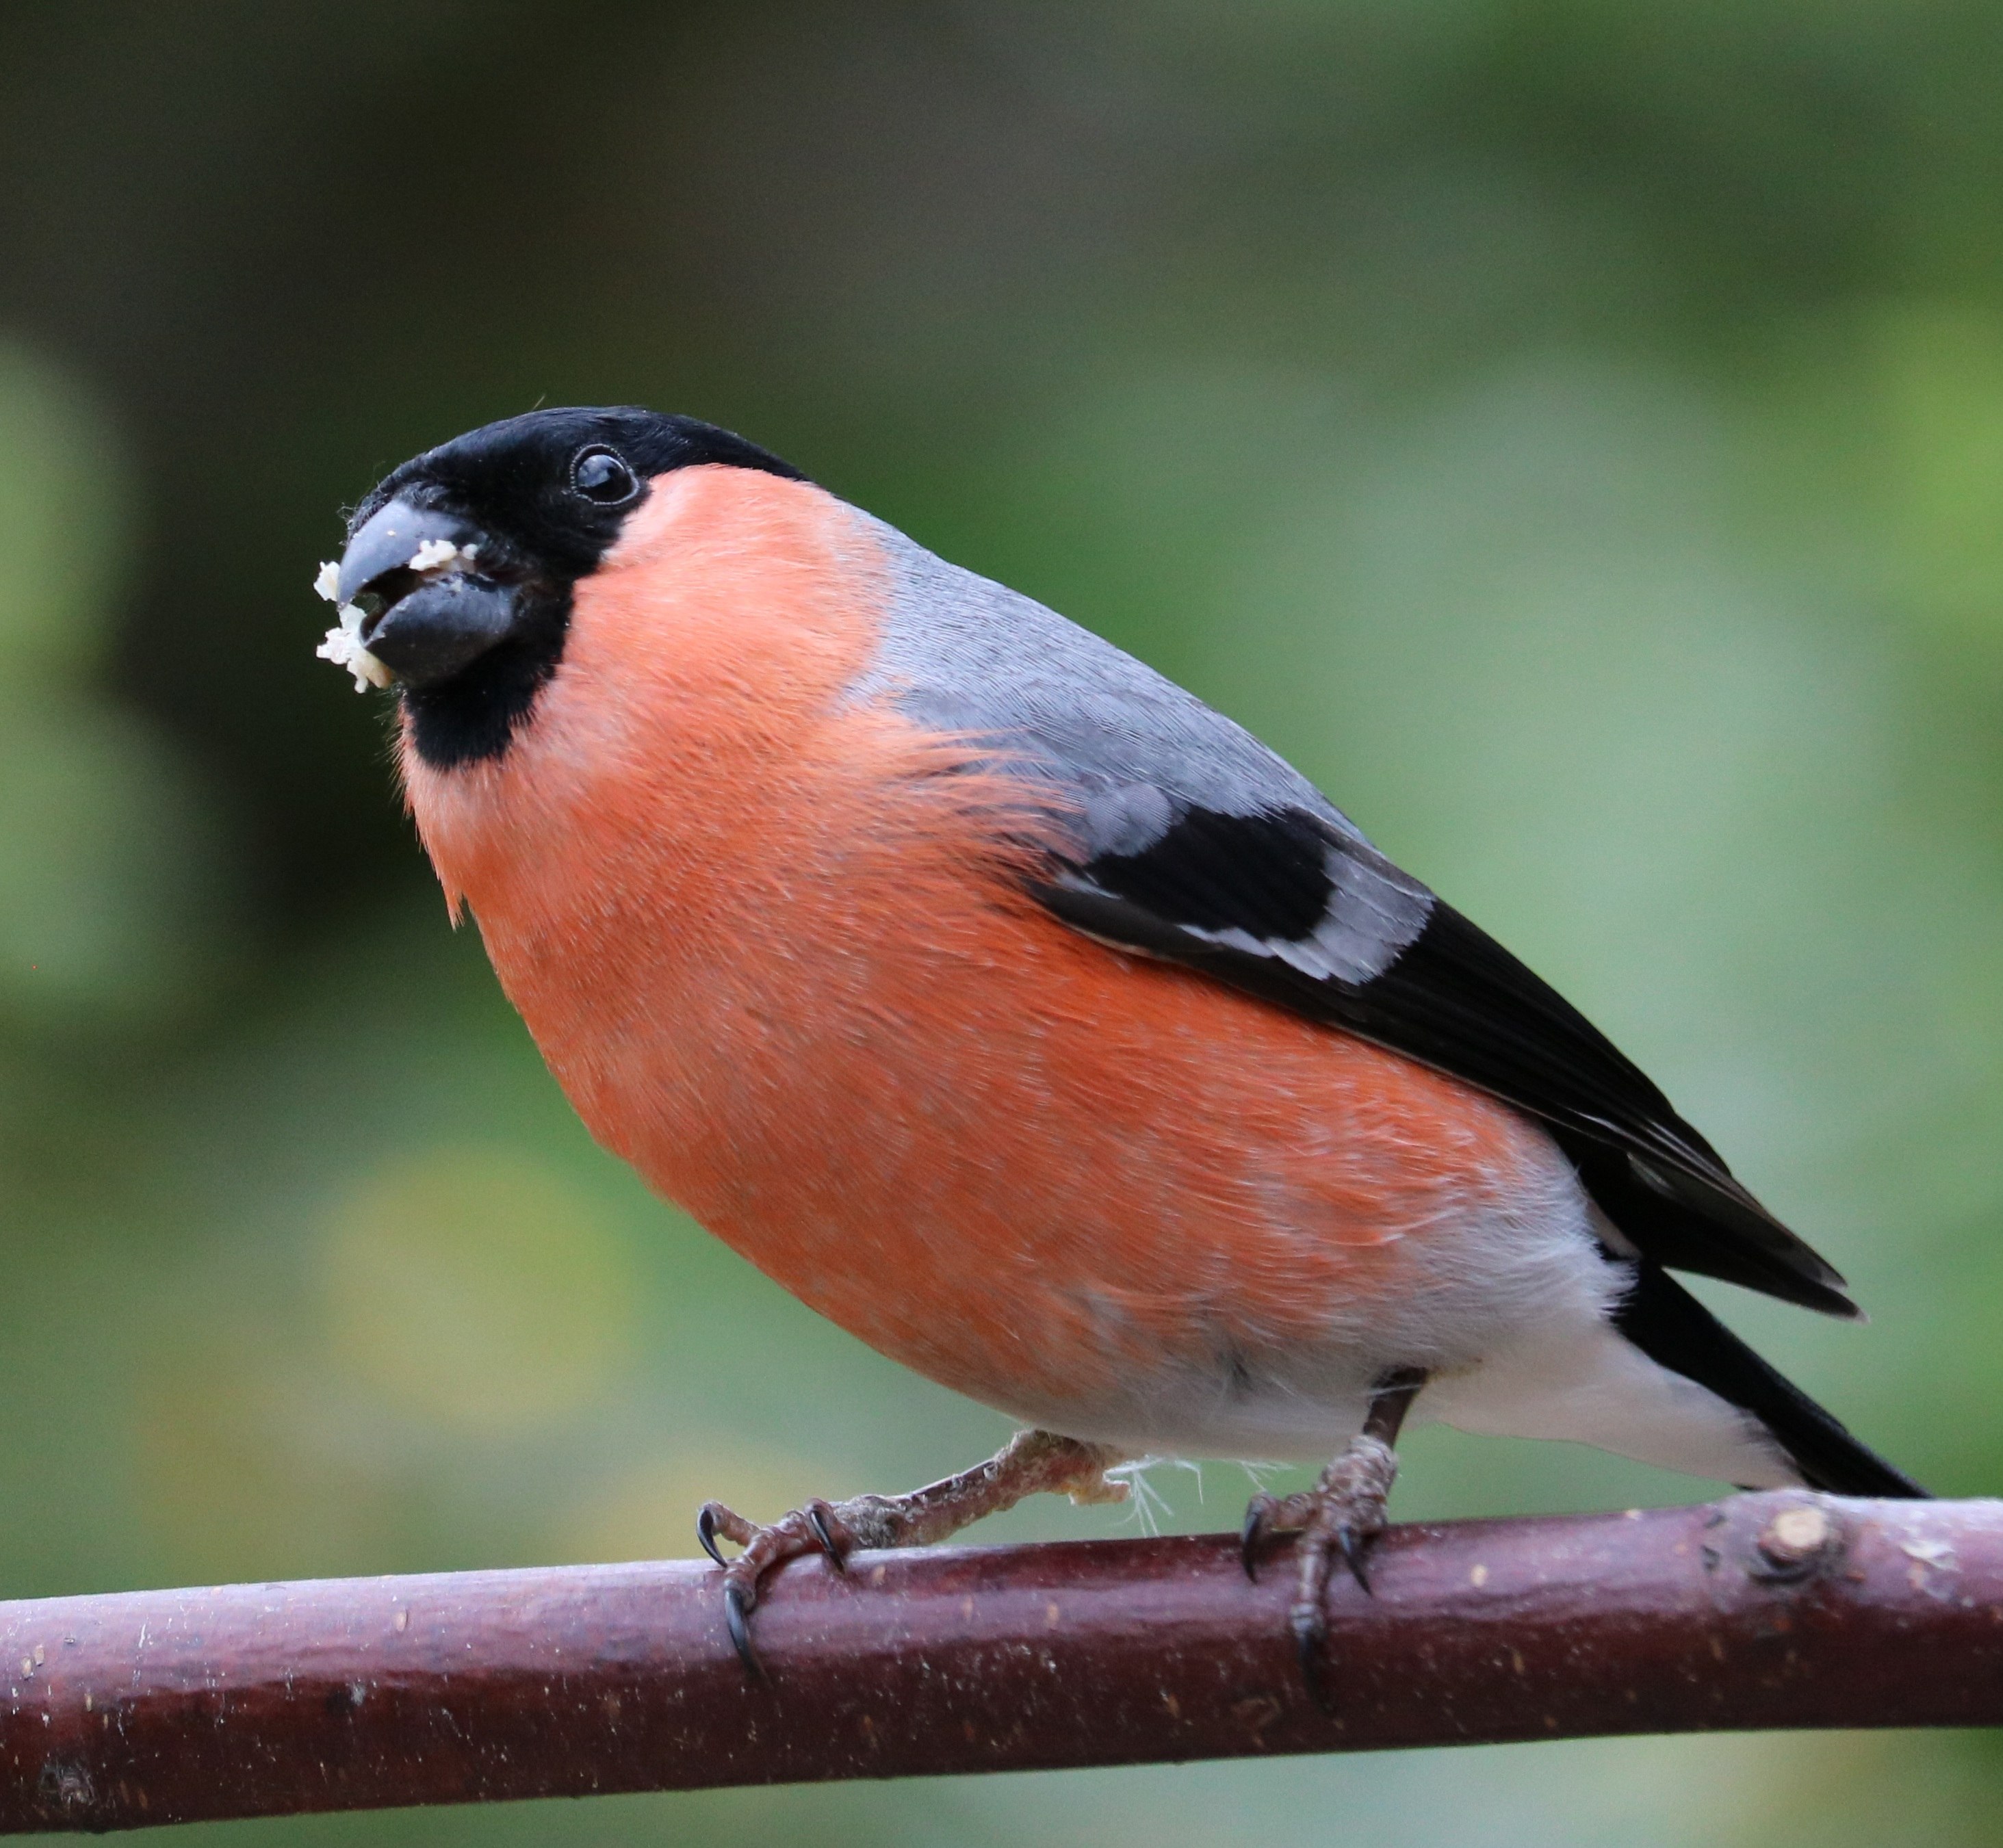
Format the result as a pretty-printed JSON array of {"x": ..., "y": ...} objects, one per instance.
[
  {"x": 1344, "y": 1512},
  {"x": 1030, "y": 1463}
]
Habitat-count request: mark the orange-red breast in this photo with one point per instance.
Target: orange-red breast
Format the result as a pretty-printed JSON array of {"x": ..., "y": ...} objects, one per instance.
[{"x": 1023, "y": 1015}]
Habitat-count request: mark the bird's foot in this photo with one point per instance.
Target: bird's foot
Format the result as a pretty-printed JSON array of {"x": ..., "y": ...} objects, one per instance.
[
  {"x": 1342, "y": 1513},
  {"x": 1031, "y": 1462},
  {"x": 819, "y": 1526}
]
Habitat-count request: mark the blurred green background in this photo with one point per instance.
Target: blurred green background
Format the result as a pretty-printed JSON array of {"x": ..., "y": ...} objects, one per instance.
[{"x": 1573, "y": 432}]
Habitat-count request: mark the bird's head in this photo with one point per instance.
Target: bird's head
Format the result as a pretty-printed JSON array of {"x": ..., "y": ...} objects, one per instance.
[{"x": 457, "y": 579}]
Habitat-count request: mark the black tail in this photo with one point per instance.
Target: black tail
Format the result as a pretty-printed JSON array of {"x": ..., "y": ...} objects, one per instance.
[{"x": 1674, "y": 1328}]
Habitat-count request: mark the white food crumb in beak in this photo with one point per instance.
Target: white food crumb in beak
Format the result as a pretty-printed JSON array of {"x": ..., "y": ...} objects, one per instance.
[
  {"x": 328, "y": 583},
  {"x": 434, "y": 553},
  {"x": 342, "y": 645}
]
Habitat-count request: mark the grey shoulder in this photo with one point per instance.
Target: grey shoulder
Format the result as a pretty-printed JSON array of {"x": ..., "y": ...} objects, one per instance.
[
  {"x": 1191, "y": 839},
  {"x": 961, "y": 653}
]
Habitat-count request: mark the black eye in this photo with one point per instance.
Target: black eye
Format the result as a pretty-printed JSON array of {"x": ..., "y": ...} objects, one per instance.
[{"x": 600, "y": 475}]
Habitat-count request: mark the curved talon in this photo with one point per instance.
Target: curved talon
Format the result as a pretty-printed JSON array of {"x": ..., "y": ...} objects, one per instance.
[
  {"x": 1355, "y": 1549},
  {"x": 705, "y": 1530},
  {"x": 1257, "y": 1511},
  {"x": 1310, "y": 1631},
  {"x": 818, "y": 1514},
  {"x": 737, "y": 1604}
]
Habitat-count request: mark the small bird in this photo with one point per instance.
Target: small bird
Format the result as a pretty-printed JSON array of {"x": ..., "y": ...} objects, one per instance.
[{"x": 1027, "y": 1017}]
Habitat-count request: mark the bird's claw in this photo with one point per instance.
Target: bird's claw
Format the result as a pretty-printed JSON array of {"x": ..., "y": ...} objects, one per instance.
[
  {"x": 1355, "y": 1549},
  {"x": 706, "y": 1520},
  {"x": 1259, "y": 1512},
  {"x": 818, "y": 1527},
  {"x": 1344, "y": 1512},
  {"x": 1031, "y": 1462},
  {"x": 1310, "y": 1629},
  {"x": 737, "y": 1602},
  {"x": 822, "y": 1519}
]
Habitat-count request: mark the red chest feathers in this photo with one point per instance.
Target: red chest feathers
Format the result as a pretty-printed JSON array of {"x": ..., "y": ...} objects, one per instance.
[{"x": 786, "y": 970}]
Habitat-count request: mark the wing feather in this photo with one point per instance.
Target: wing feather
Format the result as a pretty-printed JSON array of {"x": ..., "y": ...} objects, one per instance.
[
  {"x": 1346, "y": 938},
  {"x": 1195, "y": 843}
]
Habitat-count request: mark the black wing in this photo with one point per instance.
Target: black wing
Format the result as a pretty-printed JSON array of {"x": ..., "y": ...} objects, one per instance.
[{"x": 1286, "y": 905}]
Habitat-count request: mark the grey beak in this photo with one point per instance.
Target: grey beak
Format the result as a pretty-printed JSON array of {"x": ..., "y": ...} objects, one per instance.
[
  {"x": 432, "y": 625},
  {"x": 390, "y": 540}
]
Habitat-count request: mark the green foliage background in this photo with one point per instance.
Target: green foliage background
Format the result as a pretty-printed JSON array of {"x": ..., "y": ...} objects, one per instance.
[{"x": 1573, "y": 431}]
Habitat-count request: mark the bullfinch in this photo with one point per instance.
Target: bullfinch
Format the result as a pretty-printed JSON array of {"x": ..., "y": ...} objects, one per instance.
[{"x": 1025, "y": 1017}]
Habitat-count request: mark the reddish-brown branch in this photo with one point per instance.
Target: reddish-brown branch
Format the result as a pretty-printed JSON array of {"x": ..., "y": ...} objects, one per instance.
[{"x": 1782, "y": 1610}]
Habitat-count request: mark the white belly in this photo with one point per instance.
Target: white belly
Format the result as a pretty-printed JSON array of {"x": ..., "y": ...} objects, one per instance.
[{"x": 1515, "y": 1329}]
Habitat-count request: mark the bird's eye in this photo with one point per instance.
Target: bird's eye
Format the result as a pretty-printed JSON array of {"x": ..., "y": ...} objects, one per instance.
[{"x": 600, "y": 475}]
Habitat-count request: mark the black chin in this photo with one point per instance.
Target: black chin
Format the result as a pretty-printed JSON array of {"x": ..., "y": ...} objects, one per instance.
[{"x": 470, "y": 717}]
